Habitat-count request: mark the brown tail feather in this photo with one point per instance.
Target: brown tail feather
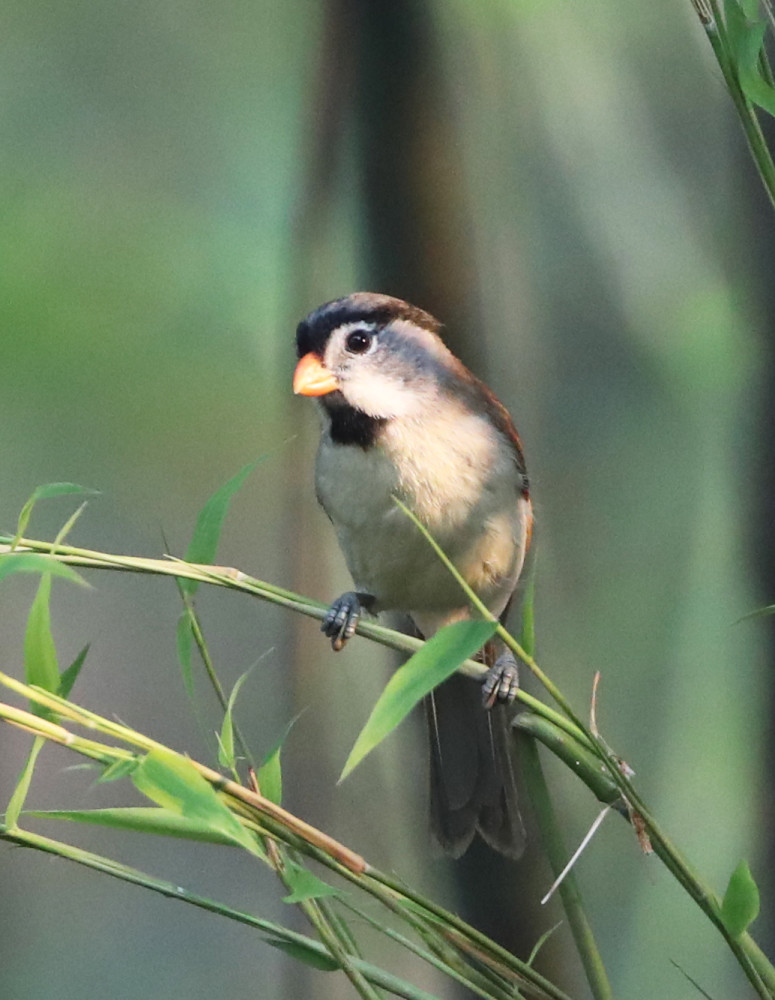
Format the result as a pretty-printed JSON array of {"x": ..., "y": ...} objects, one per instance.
[{"x": 472, "y": 781}]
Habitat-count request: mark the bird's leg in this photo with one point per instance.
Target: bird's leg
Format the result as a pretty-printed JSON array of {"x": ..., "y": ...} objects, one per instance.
[
  {"x": 343, "y": 616},
  {"x": 501, "y": 681}
]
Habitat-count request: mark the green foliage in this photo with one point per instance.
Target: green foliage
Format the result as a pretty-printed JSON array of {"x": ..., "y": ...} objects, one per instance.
[
  {"x": 172, "y": 782},
  {"x": 304, "y": 884},
  {"x": 41, "y": 667},
  {"x": 226, "y": 755},
  {"x": 184, "y": 636},
  {"x": 193, "y": 802},
  {"x": 204, "y": 542},
  {"x": 70, "y": 674},
  {"x": 120, "y": 768},
  {"x": 16, "y": 802},
  {"x": 143, "y": 819},
  {"x": 31, "y": 562},
  {"x": 46, "y": 492},
  {"x": 745, "y": 33},
  {"x": 304, "y": 953},
  {"x": 740, "y": 906},
  {"x": 269, "y": 777},
  {"x": 737, "y": 32},
  {"x": 438, "y": 659}
]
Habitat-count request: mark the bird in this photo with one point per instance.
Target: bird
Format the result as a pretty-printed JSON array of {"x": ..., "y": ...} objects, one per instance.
[{"x": 402, "y": 417}]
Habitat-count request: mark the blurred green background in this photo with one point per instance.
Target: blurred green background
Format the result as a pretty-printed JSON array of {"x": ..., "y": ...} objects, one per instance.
[{"x": 565, "y": 186}]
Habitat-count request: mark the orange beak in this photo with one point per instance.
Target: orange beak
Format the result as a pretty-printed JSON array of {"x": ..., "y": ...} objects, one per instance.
[{"x": 312, "y": 378}]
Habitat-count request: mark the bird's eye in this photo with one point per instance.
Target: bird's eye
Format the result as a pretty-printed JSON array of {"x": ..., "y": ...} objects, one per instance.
[{"x": 358, "y": 341}]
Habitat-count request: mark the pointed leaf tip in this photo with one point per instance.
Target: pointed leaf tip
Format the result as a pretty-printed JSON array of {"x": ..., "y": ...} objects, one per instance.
[
  {"x": 433, "y": 663},
  {"x": 204, "y": 543}
]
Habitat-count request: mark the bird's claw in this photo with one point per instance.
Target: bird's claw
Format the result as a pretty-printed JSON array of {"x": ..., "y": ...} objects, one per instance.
[
  {"x": 501, "y": 683},
  {"x": 341, "y": 619}
]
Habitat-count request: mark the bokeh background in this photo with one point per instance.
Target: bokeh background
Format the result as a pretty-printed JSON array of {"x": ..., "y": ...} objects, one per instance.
[{"x": 566, "y": 187}]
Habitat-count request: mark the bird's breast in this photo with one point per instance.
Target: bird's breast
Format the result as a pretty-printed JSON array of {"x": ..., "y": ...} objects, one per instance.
[{"x": 458, "y": 477}]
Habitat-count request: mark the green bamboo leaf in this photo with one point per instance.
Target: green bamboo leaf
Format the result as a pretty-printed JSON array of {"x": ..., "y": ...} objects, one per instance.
[
  {"x": 749, "y": 48},
  {"x": 34, "y": 562},
  {"x": 737, "y": 12},
  {"x": 44, "y": 493},
  {"x": 304, "y": 954},
  {"x": 740, "y": 906},
  {"x": 204, "y": 543},
  {"x": 119, "y": 769},
  {"x": 226, "y": 756},
  {"x": 269, "y": 777},
  {"x": 69, "y": 676},
  {"x": 67, "y": 527},
  {"x": 140, "y": 819},
  {"x": 40, "y": 659},
  {"x": 734, "y": 23},
  {"x": 745, "y": 32},
  {"x": 171, "y": 781},
  {"x": 16, "y": 802},
  {"x": 304, "y": 884},
  {"x": 185, "y": 639},
  {"x": 437, "y": 660}
]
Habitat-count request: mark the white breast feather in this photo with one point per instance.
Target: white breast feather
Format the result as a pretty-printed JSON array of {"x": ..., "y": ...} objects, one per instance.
[{"x": 459, "y": 476}]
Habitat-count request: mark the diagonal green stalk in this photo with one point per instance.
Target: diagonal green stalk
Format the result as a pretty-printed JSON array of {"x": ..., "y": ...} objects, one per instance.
[
  {"x": 469, "y": 980},
  {"x": 207, "y": 662},
  {"x": 373, "y": 974},
  {"x": 235, "y": 580},
  {"x": 294, "y": 832},
  {"x": 500, "y": 631},
  {"x": 264, "y": 817},
  {"x": 758, "y": 969},
  {"x": 332, "y": 939},
  {"x": 712, "y": 21},
  {"x": 551, "y": 838},
  {"x": 333, "y": 933}
]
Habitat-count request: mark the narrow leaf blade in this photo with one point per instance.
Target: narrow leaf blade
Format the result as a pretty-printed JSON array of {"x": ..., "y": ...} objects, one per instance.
[
  {"x": 226, "y": 756},
  {"x": 437, "y": 660},
  {"x": 174, "y": 783},
  {"x": 185, "y": 640},
  {"x": 34, "y": 562},
  {"x": 119, "y": 769},
  {"x": 748, "y": 51},
  {"x": 69, "y": 676},
  {"x": 45, "y": 492},
  {"x": 140, "y": 819},
  {"x": 269, "y": 777},
  {"x": 40, "y": 659},
  {"x": 305, "y": 954},
  {"x": 19, "y": 795},
  {"x": 204, "y": 543}
]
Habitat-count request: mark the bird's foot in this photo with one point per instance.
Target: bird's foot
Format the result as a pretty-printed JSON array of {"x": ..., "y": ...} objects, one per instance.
[
  {"x": 501, "y": 681},
  {"x": 343, "y": 617}
]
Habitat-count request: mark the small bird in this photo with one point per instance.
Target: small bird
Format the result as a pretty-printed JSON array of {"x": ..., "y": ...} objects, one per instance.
[{"x": 403, "y": 417}]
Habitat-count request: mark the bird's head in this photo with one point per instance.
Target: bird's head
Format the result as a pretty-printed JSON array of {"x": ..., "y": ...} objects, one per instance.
[{"x": 374, "y": 353}]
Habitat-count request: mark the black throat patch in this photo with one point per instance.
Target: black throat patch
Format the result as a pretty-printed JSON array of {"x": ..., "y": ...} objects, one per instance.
[{"x": 351, "y": 426}]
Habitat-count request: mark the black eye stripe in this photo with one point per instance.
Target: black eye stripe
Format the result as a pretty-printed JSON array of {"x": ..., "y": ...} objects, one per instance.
[{"x": 358, "y": 341}]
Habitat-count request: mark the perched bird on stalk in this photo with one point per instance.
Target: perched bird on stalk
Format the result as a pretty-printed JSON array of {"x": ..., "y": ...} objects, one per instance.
[{"x": 403, "y": 417}]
